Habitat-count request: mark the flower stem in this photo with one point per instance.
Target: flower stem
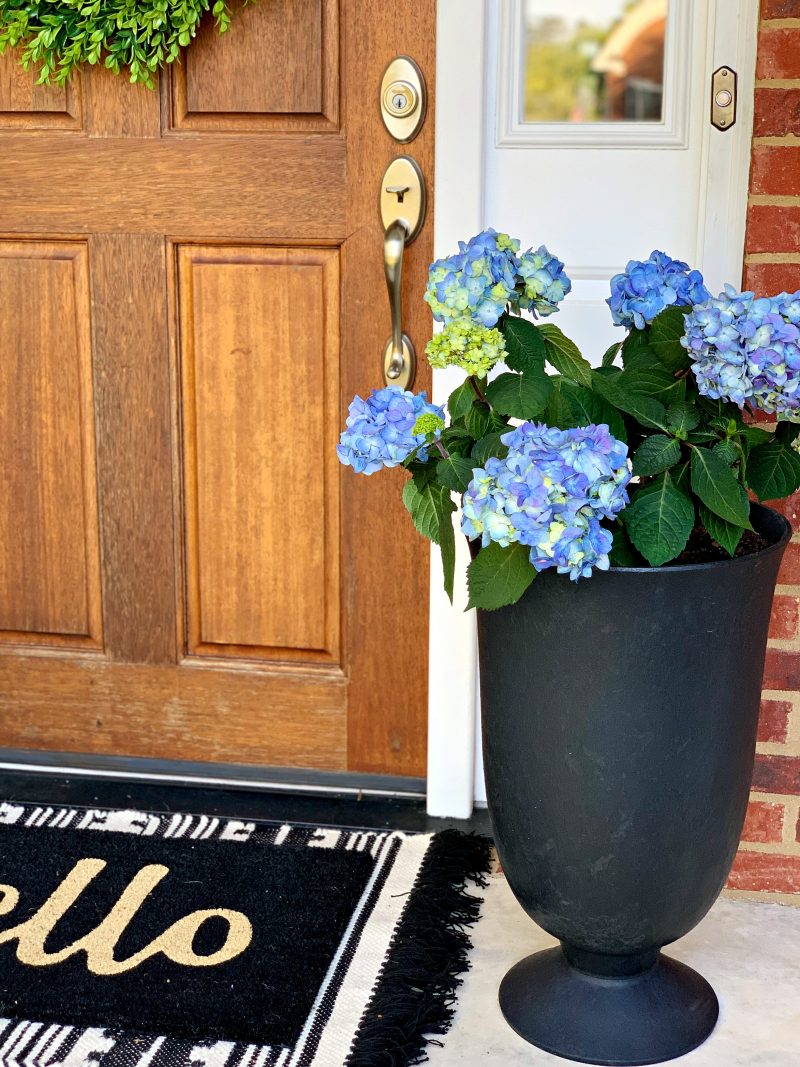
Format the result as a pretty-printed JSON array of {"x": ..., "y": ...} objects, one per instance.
[
  {"x": 444, "y": 453},
  {"x": 478, "y": 391}
]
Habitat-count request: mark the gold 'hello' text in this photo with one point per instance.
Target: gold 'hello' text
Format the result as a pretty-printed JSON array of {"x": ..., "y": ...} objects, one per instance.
[{"x": 176, "y": 942}]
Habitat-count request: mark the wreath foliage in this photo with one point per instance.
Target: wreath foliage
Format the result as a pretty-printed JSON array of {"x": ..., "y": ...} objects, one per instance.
[{"x": 139, "y": 36}]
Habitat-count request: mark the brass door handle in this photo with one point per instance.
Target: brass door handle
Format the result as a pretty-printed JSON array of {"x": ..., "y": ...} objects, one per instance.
[
  {"x": 399, "y": 361},
  {"x": 402, "y": 204}
]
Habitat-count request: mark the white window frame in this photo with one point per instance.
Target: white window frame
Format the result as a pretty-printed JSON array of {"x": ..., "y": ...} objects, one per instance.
[
  {"x": 468, "y": 113},
  {"x": 513, "y": 132}
]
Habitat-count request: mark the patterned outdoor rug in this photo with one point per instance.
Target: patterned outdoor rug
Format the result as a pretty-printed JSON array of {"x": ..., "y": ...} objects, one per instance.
[{"x": 132, "y": 939}]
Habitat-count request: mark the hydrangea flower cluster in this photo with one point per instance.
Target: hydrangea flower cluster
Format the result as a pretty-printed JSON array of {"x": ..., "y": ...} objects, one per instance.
[
  {"x": 383, "y": 430},
  {"x": 748, "y": 348},
  {"x": 544, "y": 282},
  {"x": 468, "y": 345},
  {"x": 647, "y": 287},
  {"x": 551, "y": 492},
  {"x": 486, "y": 275}
]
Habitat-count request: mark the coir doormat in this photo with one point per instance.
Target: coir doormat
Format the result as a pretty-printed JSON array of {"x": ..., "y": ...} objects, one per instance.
[{"x": 132, "y": 939}]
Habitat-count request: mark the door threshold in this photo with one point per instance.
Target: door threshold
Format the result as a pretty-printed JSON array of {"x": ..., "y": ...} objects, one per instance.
[{"x": 213, "y": 775}]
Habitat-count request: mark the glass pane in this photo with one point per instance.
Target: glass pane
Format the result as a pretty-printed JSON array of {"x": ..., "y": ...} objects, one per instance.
[{"x": 594, "y": 60}]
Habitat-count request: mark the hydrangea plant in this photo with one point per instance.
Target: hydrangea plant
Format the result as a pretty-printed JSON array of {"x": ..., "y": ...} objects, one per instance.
[{"x": 559, "y": 463}]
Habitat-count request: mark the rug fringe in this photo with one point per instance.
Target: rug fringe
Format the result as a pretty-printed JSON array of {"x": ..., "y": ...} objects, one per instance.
[{"x": 415, "y": 995}]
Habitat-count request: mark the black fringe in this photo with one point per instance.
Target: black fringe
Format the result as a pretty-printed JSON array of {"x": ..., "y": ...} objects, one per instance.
[{"x": 416, "y": 991}]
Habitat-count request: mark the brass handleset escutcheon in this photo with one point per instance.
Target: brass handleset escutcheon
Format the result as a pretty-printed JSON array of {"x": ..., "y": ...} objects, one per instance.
[
  {"x": 403, "y": 103},
  {"x": 402, "y": 206}
]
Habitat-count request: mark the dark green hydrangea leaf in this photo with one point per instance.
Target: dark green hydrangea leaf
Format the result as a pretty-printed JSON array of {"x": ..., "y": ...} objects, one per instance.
[
  {"x": 499, "y": 576},
  {"x": 682, "y": 418},
  {"x": 525, "y": 350},
  {"x": 644, "y": 409},
  {"x": 565, "y": 356},
  {"x": 428, "y": 505},
  {"x": 656, "y": 454},
  {"x": 724, "y": 533},
  {"x": 481, "y": 420},
  {"x": 488, "y": 447},
  {"x": 659, "y": 520},
  {"x": 718, "y": 488},
  {"x": 773, "y": 470},
  {"x": 610, "y": 354},
  {"x": 521, "y": 396},
  {"x": 666, "y": 331},
  {"x": 636, "y": 351},
  {"x": 454, "y": 473},
  {"x": 461, "y": 400},
  {"x": 622, "y": 553}
]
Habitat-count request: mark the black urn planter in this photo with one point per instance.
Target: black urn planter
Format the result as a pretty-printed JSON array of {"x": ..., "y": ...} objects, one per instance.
[{"x": 619, "y": 729}]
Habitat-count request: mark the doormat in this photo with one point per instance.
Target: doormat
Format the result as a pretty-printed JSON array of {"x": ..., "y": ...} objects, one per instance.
[{"x": 133, "y": 939}]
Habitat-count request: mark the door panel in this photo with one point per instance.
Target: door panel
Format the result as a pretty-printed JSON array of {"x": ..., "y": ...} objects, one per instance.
[
  {"x": 259, "y": 342},
  {"x": 49, "y": 558},
  {"x": 202, "y": 288},
  {"x": 238, "y": 82}
]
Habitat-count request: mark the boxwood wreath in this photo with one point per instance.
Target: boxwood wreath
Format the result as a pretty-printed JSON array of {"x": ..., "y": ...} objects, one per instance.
[{"x": 137, "y": 36}]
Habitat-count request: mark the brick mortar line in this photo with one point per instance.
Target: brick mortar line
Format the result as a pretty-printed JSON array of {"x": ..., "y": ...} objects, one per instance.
[
  {"x": 763, "y": 896},
  {"x": 773, "y": 798},
  {"x": 790, "y": 821},
  {"x": 771, "y": 848},
  {"x": 772, "y": 257},
  {"x": 766, "y": 200},
  {"x": 777, "y": 83},
  {"x": 787, "y": 590},
  {"x": 790, "y": 696},
  {"x": 783, "y": 644},
  {"x": 787, "y": 23},
  {"x": 787, "y": 140},
  {"x": 789, "y": 747}
]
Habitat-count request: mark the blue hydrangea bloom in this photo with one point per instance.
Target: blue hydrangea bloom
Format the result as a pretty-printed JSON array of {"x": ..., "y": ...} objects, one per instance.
[
  {"x": 487, "y": 275},
  {"x": 544, "y": 281},
  {"x": 551, "y": 492},
  {"x": 747, "y": 348},
  {"x": 380, "y": 430},
  {"x": 646, "y": 288},
  {"x": 478, "y": 281}
]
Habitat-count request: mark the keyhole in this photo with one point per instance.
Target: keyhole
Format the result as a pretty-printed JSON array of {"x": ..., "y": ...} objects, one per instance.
[{"x": 399, "y": 102}]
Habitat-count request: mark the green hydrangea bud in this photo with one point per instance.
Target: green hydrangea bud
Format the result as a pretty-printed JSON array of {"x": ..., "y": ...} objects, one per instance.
[
  {"x": 468, "y": 345},
  {"x": 428, "y": 423}
]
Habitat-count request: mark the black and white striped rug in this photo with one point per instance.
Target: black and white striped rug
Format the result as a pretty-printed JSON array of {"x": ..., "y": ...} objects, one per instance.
[{"x": 135, "y": 939}]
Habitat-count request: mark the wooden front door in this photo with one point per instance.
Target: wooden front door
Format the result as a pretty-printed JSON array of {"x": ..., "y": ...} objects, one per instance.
[{"x": 191, "y": 291}]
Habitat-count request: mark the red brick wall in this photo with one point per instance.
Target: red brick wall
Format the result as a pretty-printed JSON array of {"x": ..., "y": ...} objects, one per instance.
[{"x": 769, "y": 858}]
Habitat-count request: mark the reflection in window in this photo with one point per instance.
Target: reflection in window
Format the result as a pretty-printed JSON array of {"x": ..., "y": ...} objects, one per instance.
[{"x": 594, "y": 60}]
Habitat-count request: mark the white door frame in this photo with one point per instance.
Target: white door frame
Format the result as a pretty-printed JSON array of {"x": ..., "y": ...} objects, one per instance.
[{"x": 468, "y": 32}]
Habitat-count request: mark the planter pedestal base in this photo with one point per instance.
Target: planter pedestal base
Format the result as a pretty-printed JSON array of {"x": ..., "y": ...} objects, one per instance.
[{"x": 616, "y": 1011}]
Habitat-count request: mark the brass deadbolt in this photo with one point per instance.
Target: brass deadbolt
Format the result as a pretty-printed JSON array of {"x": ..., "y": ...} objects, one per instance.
[{"x": 403, "y": 100}]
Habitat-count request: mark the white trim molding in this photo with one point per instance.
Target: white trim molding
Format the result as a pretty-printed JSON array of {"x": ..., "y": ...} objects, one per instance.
[{"x": 514, "y": 132}]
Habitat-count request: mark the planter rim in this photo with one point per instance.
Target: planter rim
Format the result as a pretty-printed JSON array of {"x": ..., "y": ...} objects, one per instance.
[{"x": 778, "y": 545}]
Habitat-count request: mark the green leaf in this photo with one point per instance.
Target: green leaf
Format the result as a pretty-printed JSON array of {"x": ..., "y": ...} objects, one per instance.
[
  {"x": 499, "y": 576},
  {"x": 488, "y": 446},
  {"x": 653, "y": 381},
  {"x": 454, "y": 473},
  {"x": 427, "y": 505},
  {"x": 636, "y": 351},
  {"x": 727, "y": 452},
  {"x": 447, "y": 545},
  {"x": 572, "y": 405},
  {"x": 461, "y": 400},
  {"x": 786, "y": 432},
  {"x": 655, "y": 454},
  {"x": 682, "y": 417},
  {"x": 525, "y": 349},
  {"x": 724, "y": 533},
  {"x": 565, "y": 356},
  {"x": 610, "y": 354},
  {"x": 718, "y": 488},
  {"x": 659, "y": 520},
  {"x": 666, "y": 331},
  {"x": 755, "y": 436},
  {"x": 644, "y": 409},
  {"x": 456, "y": 440},
  {"x": 481, "y": 420},
  {"x": 622, "y": 553},
  {"x": 773, "y": 470},
  {"x": 522, "y": 396}
]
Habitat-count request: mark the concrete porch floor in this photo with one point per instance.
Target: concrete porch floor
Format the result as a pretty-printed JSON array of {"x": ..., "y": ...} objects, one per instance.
[{"x": 750, "y": 952}]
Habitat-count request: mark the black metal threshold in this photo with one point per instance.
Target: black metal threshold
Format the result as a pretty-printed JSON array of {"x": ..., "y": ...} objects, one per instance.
[{"x": 269, "y": 794}]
